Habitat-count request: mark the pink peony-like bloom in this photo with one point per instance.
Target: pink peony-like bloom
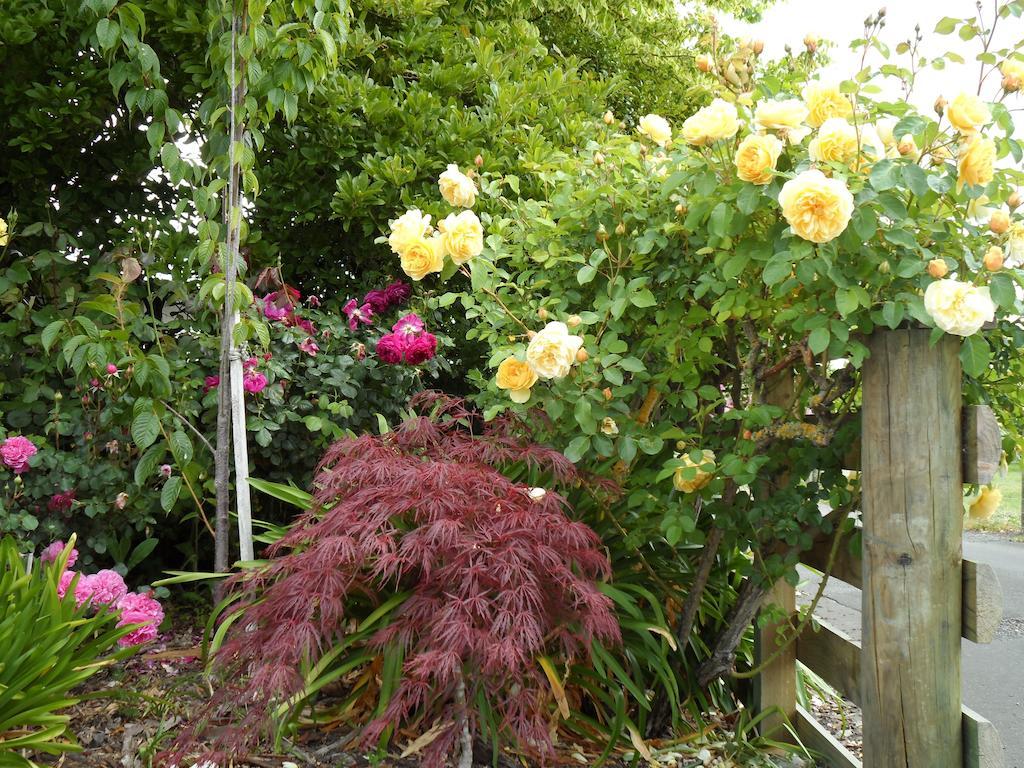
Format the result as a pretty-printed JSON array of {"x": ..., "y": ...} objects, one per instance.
[
  {"x": 137, "y": 608},
  {"x": 398, "y": 293},
  {"x": 52, "y": 552},
  {"x": 65, "y": 582},
  {"x": 421, "y": 348},
  {"x": 61, "y": 502},
  {"x": 103, "y": 587},
  {"x": 391, "y": 348},
  {"x": 211, "y": 382},
  {"x": 309, "y": 346},
  {"x": 254, "y": 382},
  {"x": 409, "y": 325},
  {"x": 377, "y": 300},
  {"x": 16, "y": 451}
]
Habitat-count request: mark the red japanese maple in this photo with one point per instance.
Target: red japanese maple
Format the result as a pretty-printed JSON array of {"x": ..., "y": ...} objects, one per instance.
[{"x": 497, "y": 576}]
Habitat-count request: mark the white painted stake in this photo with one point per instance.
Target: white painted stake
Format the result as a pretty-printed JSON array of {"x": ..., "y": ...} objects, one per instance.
[{"x": 239, "y": 443}]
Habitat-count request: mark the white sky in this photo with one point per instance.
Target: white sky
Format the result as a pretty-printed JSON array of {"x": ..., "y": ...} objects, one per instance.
[{"x": 788, "y": 21}]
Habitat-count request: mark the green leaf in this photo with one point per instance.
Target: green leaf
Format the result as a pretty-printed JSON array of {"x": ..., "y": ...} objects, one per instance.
[
  {"x": 50, "y": 334},
  {"x": 1003, "y": 291},
  {"x": 586, "y": 274},
  {"x": 107, "y": 32},
  {"x": 313, "y": 423},
  {"x": 641, "y": 299},
  {"x": 577, "y": 448},
  {"x": 145, "y": 429},
  {"x": 181, "y": 448},
  {"x": 818, "y": 340},
  {"x": 892, "y": 313},
  {"x": 846, "y": 301},
  {"x": 884, "y": 175},
  {"x": 170, "y": 492},
  {"x": 777, "y": 269},
  {"x": 974, "y": 355},
  {"x": 143, "y": 550}
]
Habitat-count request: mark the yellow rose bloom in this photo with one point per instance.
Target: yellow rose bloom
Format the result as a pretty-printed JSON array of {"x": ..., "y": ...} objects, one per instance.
[
  {"x": 986, "y": 504},
  {"x": 968, "y": 113},
  {"x": 824, "y": 101},
  {"x": 836, "y": 142},
  {"x": 958, "y": 308},
  {"x": 975, "y": 162},
  {"x": 553, "y": 350},
  {"x": 5, "y": 236},
  {"x": 703, "y": 477},
  {"x": 457, "y": 188},
  {"x": 1013, "y": 74},
  {"x": 656, "y": 128},
  {"x": 716, "y": 121},
  {"x": 462, "y": 236},
  {"x": 423, "y": 256},
  {"x": 756, "y": 157},
  {"x": 817, "y": 208},
  {"x": 518, "y": 377},
  {"x": 786, "y": 116},
  {"x": 411, "y": 227},
  {"x": 1015, "y": 243}
]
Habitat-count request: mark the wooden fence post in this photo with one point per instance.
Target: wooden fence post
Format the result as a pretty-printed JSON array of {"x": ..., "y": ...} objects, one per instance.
[{"x": 912, "y": 549}]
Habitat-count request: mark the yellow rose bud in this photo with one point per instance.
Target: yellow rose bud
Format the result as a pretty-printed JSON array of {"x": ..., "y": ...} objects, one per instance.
[
  {"x": 999, "y": 222},
  {"x": 703, "y": 62},
  {"x": 609, "y": 118},
  {"x": 422, "y": 257},
  {"x": 602, "y": 234},
  {"x": 938, "y": 268},
  {"x": 620, "y": 229},
  {"x": 756, "y": 157},
  {"x": 607, "y": 392},
  {"x": 1014, "y": 200},
  {"x": 574, "y": 321},
  {"x": 824, "y": 101},
  {"x": 478, "y": 161},
  {"x": 462, "y": 236},
  {"x": 940, "y": 106},
  {"x": 817, "y": 208},
  {"x": 907, "y": 146},
  {"x": 542, "y": 313},
  {"x": 518, "y": 377},
  {"x": 975, "y": 162},
  {"x": 598, "y": 158},
  {"x": 811, "y": 43},
  {"x": 884, "y": 267},
  {"x": 994, "y": 259},
  {"x": 757, "y": 47},
  {"x": 609, "y": 427},
  {"x": 582, "y": 355},
  {"x": 680, "y": 209},
  {"x": 1013, "y": 75},
  {"x": 968, "y": 113}
]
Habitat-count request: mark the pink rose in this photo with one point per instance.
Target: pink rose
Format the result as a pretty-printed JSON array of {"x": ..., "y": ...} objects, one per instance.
[
  {"x": 61, "y": 502},
  {"x": 376, "y": 300},
  {"x": 309, "y": 346},
  {"x": 211, "y": 382},
  {"x": 409, "y": 325},
  {"x": 65, "y": 581},
  {"x": 272, "y": 310},
  {"x": 421, "y": 349},
  {"x": 52, "y": 552},
  {"x": 103, "y": 587},
  {"x": 16, "y": 451},
  {"x": 391, "y": 348},
  {"x": 398, "y": 293},
  {"x": 141, "y": 609},
  {"x": 254, "y": 382}
]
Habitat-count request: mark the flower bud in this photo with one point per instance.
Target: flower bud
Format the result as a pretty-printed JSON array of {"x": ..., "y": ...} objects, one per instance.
[
  {"x": 884, "y": 267},
  {"x": 1011, "y": 84},
  {"x": 478, "y": 161},
  {"x": 574, "y": 321},
  {"x": 994, "y": 259},
  {"x": 680, "y": 209},
  {"x": 111, "y": 369},
  {"x": 811, "y": 43},
  {"x": 598, "y": 158},
  {"x": 621, "y": 228},
  {"x": 609, "y": 118},
  {"x": 937, "y": 268},
  {"x": 1014, "y": 200},
  {"x": 531, "y": 334},
  {"x": 999, "y": 222},
  {"x": 907, "y": 146},
  {"x": 940, "y": 106},
  {"x": 58, "y": 396},
  {"x": 582, "y": 355},
  {"x": 607, "y": 392},
  {"x": 602, "y": 234},
  {"x": 542, "y": 313},
  {"x": 758, "y": 47},
  {"x": 703, "y": 62}
]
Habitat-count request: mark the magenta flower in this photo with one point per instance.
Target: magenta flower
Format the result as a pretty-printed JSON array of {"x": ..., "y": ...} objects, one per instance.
[
  {"x": 377, "y": 300},
  {"x": 272, "y": 311},
  {"x": 254, "y": 382},
  {"x": 357, "y": 314},
  {"x": 52, "y": 552},
  {"x": 410, "y": 325},
  {"x": 398, "y": 293},
  {"x": 61, "y": 502},
  {"x": 391, "y": 348},
  {"x": 65, "y": 581},
  {"x": 249, "y": 363},
  {"x": 309, "y": 346},
  {"x": 112, "y": 369},
  {"x": 211, "y": 382},
  {"x": 421, "y": 348},
  {"x": 137, "y": 608},
  {"x": 307, "y": 326},
  {"x": 16, "y": 451}
]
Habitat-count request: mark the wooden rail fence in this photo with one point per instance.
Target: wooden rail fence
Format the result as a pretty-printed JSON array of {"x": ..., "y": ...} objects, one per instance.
[{"x": 919, "y": 597}]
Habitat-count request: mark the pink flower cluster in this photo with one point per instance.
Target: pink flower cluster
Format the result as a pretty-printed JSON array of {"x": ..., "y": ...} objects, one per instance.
[
  {"x": 409, "y": 342},
  {"x": 16, "y": 451},
  {"x": 253, "y": 381},
  {"x": 375, "y": 303}
]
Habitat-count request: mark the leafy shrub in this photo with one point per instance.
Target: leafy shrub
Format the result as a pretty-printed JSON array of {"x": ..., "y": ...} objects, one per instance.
[{"x": 497, "y": 577}]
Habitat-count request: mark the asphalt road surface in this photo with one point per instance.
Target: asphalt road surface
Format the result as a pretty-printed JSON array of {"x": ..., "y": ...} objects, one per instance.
[{"x": 993, "y": 674}]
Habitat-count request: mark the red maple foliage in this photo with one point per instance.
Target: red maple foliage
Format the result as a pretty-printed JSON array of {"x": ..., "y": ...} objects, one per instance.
[{"x": 497, "y": 577}]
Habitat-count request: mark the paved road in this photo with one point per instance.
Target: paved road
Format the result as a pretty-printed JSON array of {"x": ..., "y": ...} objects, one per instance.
[{"x": 993, "y": 674}]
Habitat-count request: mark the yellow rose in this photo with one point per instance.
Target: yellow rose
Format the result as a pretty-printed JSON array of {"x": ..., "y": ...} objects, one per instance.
[
  {"x": 656, "y": 128},
  {"x": 609, "y": 427},
  {"x": 1013, "y": 74},
  {"x": 702, "y": 478},
  {"x": 716, "y": 121},
  {"x": 756, "y": 157},
  {"x": 423, "y": 256},
  {"x": 5, "y": 236},
  {"x": 553, "y": 351},
  {"x": 824, "y": 101},
  {"x": 411, "y": 227},
  {"x": 462, "y": 236},
  {"x": 457, "y": 188},
  {"x": 836, "y": 142},
  {"x": 1015, "y": 242},
  {"x": 817, "y": 208},
  {"x": 783, "y": 115},
  {"x": 987, "y": 503},
  {"x": 517, "y": 377},
  {"x": 968, "y": 113},
  {"x": 975, "y": 161},
  {"x": 958, "y": 308}
]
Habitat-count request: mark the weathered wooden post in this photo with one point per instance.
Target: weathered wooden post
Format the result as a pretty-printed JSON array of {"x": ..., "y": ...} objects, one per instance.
[{"x": 913, "y": 525}]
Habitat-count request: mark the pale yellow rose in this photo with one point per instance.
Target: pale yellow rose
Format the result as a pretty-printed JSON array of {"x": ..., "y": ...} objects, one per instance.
[
  {"x": 986, "y": 504},
  {"x": 702, "y": 478},
  {"x": 423, "y": 256},
  {"x": 756, "y": 157},
  {"x": 609, "y": 427},
  {"x": 975, "y": 161},
  {"x": 716, "y": 121},
  {"x": 968, "y": 113},
  {"x": 5, "y": 236},
  {"x": 817, "y": 208},
  {"x": 518, "y": 377},
  {"x": 1015, "y": 243},
  {"x": 552, "y": 351},
  {"x": 958, "y": 308},
  {"x": 457, "y": 188},
  {"x": 411, "y": 227},
  {"x": 836, "y": 142},
  {"x": 824, "y": 101},
  {"x": 885, "y": 126},
  {"x": 462, "y": 236},
  {"x": 1013, "y": 74},
  {"x": 656, "y": 128},
  {"x": 785, "y": 116}
]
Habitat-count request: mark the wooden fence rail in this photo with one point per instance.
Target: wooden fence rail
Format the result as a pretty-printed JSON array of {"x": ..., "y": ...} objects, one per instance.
[{"x": 918, "y": 595}]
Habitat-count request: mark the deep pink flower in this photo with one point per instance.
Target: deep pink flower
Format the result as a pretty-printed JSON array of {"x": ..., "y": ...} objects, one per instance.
[
  {"x": 254, "y": 382},
  {"x": 249, "y": 363},
  {"x": 65, "y": 582},
  {"x": 111, "y": 369},
  {"x": 52, "y": 552},
  {"x": 421, "y": 348},
  {"x": 398, "y": 293},
  {"x": 409, "y": 325},
  {"x": 211, "y": 382},
  {"x": 94, "y": 383},
  {"x": 309, "y": 346},
  {"x": 137, "y": 608},
  {"x": 357, "y": 314},
  {"x": 377, "y": 300},
  {"x": 61, "y": 502},
  {"x": 391, "y": 348},
  {"x": 273, "y": 310},
  {"x": 16, "y": 451},
  {"x": 307, "y": 326},
  {"x": 103, "y": 587}
]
